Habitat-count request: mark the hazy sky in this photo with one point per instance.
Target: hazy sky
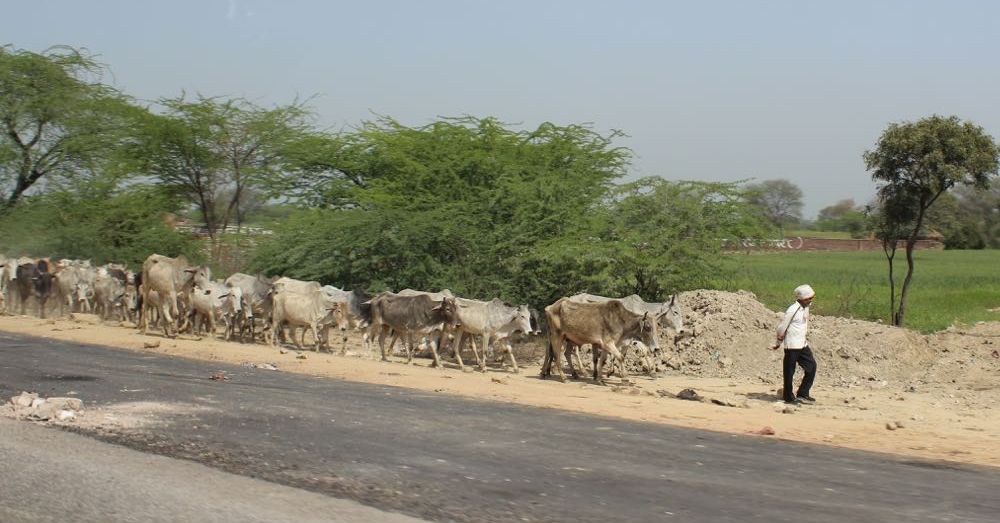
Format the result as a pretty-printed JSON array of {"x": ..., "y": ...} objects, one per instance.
[{"x": 707, "y": 90}]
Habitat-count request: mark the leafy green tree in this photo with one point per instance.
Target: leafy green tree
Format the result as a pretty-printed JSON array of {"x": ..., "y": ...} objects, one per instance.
[
  {"x": 843, "y": 216},
  {"x": 451, "y": 204},
  {"x": 57, "y": 121},
  {"x": 779, "y": 201},
  {"x": 97, "y": 221},
  {"x": 979, "y": 214},
  {"x": 915, "y": 163},
  {"x": 218, "y": 153},
  {"x": 485, "y": 210}
]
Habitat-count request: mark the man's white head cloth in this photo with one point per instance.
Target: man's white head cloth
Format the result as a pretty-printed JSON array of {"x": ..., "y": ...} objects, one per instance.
[{"x": 804, "y": 292}]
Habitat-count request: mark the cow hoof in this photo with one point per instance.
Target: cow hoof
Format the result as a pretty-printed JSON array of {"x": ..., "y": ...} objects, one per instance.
[
  {"x": 562, "y": 379},
  {"x": 516, "y": 371}
]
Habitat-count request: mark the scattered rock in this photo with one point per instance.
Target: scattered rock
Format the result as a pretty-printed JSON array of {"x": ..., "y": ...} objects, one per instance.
[
  {"x": 264, "y": 366},
  {"x": 732, "y": 401},
  {"x": 65, "y": 403},
  {"x": 763, "y": 431},
  {"x": 29, "y": 405},
  {"x": 890, "y": 426},
  {"x": 151, "y": 344},
  {"x": 689, "y": 394},
  {"x": 725, "y": 362},
  {"x": 300, "y": 356},
  {"x": 24, "y": 399},
  {"x": 282, "y": 351},
  {"x": 502, "y": 381},
  {"x": 218, "y": 376}
]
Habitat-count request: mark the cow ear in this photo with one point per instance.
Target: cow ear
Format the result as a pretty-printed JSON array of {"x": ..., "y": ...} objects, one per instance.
[
  {"x": 191, "y": 270},
  {"x": 673, "y": 298}
]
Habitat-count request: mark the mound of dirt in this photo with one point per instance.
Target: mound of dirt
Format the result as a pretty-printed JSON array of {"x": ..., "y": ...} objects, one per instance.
[{"x": 730, "y": 334}]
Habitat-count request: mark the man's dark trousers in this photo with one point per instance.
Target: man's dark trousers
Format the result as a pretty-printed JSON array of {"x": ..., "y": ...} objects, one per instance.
[{"x": 803, "y": 357}]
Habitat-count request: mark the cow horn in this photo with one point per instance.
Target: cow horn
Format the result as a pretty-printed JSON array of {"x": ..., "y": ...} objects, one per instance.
[{"x": 673, "y": 298}]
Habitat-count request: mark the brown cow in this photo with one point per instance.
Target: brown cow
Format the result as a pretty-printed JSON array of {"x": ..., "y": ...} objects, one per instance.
[
  {"x": 609, "y": 325},
  {"x": 409, "y": 315}
]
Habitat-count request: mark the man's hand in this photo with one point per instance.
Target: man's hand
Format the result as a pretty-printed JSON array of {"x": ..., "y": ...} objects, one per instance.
[{"x": 775, "y": 346}]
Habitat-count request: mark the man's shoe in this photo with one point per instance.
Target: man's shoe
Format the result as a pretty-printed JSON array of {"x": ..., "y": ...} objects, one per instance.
[
  {"x": 795, "y": 401},
  {"x": 806, "y": 399}
]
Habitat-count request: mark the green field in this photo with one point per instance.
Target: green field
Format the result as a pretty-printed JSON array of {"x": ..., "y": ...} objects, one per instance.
[{"x": 948, "y": 287}]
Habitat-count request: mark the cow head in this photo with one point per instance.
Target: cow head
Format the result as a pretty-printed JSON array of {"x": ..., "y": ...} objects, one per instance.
[
  {"x": 536, "y": 324},
  {"x": 449, "y": 309},
  {"x": 83, "y": 292},
  {"x": 337, "y": 315},
  {"x": 233, "y": 300},
  {"x": 522, "y": 320},
  {"x": 649, "y": 333},
  {"x": 201, "y": 276},
  {"x": 669, "y": 315}
]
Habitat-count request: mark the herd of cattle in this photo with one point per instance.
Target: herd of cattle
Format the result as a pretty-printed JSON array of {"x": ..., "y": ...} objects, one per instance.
[{"x": 171, "y": 294}]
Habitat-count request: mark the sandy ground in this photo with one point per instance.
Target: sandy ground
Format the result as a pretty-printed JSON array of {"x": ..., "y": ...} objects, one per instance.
[{"x": 932, "y": 424}]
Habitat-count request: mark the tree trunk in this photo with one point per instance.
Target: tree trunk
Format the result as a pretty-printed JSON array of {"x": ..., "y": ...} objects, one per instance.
[
  {"x": 906, "y": 282},
  {"x": 889, "y": 248},
  {"x": 910, "y": 244}
]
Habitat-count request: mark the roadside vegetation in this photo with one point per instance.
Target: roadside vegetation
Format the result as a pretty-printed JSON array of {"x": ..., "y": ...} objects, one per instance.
[
  {"x": 473, "y": 204},
  {"x": 950, "y": 287}
]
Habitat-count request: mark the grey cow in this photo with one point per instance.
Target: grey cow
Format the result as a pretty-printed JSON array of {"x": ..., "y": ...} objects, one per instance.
[
  {"x": 493, "y": 321},
  {"x": 409, "y": 315}
]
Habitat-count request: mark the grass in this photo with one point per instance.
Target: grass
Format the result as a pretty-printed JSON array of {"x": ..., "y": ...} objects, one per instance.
[{"x": 949, "y": 287}]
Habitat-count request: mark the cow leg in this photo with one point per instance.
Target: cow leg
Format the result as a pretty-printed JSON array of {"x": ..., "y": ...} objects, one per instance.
[
  {"x": 615, "y": 355},
  {"x": 475, "y": 353},
  {"x": 409, "y": 346},
  {"x": 569, "y": 350},
  {"x": 457, "y": 348},
  {"x": 557, "y": 351},
  {"x": 486, "y": 345},
  {"x": 317, "y": 340},
  {"x": 510, "y": 352},
  {"x": 434, "y": 352},
  {"x": 381, "y": 341},
  {"x": 547, "y": 361},
  {"x": 274, "y": 332}
]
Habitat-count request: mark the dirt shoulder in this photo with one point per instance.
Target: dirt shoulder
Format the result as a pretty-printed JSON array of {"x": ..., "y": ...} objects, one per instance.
[{"x": 936, "y": 423}]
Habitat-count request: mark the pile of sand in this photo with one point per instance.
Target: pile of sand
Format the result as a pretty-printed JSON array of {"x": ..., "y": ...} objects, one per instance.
[{"x": 730, "y": 335}]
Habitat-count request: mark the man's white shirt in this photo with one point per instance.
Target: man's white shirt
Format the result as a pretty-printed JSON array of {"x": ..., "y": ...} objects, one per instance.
[{"x": 796, "y": 321}]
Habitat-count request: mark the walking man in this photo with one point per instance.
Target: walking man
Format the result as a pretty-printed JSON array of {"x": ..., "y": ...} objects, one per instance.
[{"x": 792, "y": 334}]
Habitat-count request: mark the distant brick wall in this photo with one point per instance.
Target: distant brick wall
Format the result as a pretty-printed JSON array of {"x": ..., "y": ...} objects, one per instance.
[{"x": 823, "y": 244}]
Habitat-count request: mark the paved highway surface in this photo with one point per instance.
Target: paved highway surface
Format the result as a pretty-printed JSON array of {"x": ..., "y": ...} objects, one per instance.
[{"x": 444, "y": 458}]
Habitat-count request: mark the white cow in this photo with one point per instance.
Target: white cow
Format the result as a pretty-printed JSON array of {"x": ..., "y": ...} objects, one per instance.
[
  {"x": 493, "y": 321},
  {"x": 209, "y": 304},
  {"x": 307, "y": 307}
]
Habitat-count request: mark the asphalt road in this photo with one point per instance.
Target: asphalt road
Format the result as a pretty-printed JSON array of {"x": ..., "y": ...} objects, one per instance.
[
  {"x": 55, "y": 476},
  {"x": 451, "y": 459}
]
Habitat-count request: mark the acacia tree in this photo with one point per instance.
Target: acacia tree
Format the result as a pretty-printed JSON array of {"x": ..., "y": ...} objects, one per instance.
[
  {"x": 56, "y": 119},
  {"x": 779, "y": 201},
  {"x": 914, "y": 164},
  {"x": 215, "y": 152}
]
